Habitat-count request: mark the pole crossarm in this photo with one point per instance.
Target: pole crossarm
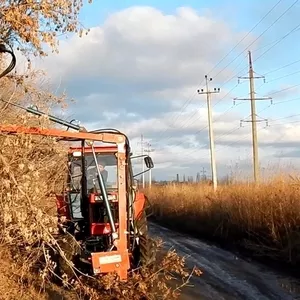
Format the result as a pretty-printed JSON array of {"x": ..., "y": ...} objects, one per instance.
[{"x": 261, "y": 98}]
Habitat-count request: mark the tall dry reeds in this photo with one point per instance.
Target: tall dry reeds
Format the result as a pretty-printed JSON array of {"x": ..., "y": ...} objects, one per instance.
[{"x": 263, "y": 219}]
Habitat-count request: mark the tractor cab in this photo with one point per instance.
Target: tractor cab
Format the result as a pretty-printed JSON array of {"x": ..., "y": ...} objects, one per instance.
[
  {"x": 106, "y": 161},
  {"x": 86, "y": 203},
  {"x": 100, "y": 203}
]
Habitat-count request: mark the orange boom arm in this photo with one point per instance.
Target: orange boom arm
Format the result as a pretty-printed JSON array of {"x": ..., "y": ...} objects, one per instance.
[{"x": 101, "y": 137}]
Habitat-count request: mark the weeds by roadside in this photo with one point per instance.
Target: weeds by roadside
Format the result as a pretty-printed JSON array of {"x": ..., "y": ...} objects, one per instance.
[{"x": 263, "y": 219}]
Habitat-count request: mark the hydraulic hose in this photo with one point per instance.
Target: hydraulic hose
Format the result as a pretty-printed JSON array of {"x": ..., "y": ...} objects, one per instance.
[{"x": 12, "y": 64}]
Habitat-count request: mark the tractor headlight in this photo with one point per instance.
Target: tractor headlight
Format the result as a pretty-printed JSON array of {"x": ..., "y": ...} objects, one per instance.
[
  {"x": 110, "y": 197},
  {"x": 77, "y": 153}
]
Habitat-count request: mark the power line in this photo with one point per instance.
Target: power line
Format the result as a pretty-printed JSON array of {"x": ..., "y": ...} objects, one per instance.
[
  {"x": 261, "y": 34},
  {"x": 280, "y": 68},
  {"x": 173, "y": 120},
  {"x": 196, "y": 148},
  {"x": 289, "y": 100},
  {"x": 222, "y": 114},
  {"x": 285, "y": 89},
  {"x": 248, "y": 34},
  {"x": 272, "y": 43},
  {"x": 288, "y": 117},
  {"x": 203, "y": 128},
  {"x": 284, "y": 76},
  {"x": 287, "y": 123},
  {"x": 281, "y": 39},
  {"x": 242, "y": 139},
  {"x": 236, "y": 129},
  {"x": 263, "y": 31}
]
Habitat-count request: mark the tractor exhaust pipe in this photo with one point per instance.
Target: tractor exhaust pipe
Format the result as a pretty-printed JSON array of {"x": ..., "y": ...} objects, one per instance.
[{"x": 105, "y": 198}]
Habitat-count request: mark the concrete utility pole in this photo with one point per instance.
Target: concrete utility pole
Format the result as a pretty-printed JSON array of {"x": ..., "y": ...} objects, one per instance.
[
  {"x": 149, "y": 150},
  {"x": 211, "y": 134},
  {"x": 142, "y": 162},
  {"x": 203, "y": 174},
  {"x": 254, "y": 116}
]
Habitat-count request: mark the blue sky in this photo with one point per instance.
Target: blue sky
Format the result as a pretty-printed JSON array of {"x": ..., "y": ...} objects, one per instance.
[
  {"x": 96, "y": 13},
  {"x": 242, "y": 15},
  {"x": 101, "y": 84}
]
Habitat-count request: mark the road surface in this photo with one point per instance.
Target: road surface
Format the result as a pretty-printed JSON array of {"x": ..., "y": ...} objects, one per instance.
[{"x": 225, "y": 275}]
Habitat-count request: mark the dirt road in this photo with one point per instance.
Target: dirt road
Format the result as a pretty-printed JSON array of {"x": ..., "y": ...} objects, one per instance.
[{"x": 226, "y": 276}]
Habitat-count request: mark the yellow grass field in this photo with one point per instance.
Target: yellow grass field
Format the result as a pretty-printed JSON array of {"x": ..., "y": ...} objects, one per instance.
[{"x": 264, "y": 220}]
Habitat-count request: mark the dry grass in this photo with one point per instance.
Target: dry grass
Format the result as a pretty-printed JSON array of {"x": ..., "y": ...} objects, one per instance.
[{"x": 263, "y": 219}]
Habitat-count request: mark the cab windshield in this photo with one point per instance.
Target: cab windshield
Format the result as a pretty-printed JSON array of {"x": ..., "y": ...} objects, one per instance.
[{"x": 107, "y": 163}]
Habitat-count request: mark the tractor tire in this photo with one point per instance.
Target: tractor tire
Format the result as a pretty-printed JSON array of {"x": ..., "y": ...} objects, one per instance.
[
  {"x": 142, "y": 224},
  {"x": 147, "y": 246},
  {"x": 71, "y": 251}
]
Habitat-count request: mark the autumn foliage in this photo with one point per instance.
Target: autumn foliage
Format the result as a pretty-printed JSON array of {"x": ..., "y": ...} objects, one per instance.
[{"x": 32, "y": 24}]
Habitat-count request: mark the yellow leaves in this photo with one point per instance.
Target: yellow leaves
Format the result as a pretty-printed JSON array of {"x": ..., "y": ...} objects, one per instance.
[
  {"x": 198, "y": 272},
  {"x": 33, "y": 24},
  {"x": 6, "y": 169},
  {"x": 6, "y": 183}
]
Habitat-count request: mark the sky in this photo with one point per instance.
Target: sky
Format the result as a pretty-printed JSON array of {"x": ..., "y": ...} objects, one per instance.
[{"x": 140, "y": 66}]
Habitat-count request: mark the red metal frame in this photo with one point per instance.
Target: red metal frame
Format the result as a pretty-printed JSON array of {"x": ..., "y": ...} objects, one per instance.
[
  {"x": 115, "y": 138},
  {"x": 100, "y": 228}
]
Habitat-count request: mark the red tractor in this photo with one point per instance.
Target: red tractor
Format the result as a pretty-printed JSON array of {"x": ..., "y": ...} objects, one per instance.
[{"x": 100, "y": 213}]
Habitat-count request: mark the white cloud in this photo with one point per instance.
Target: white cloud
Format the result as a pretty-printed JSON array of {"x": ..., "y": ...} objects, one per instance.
[{"x": 142, "y": 45}]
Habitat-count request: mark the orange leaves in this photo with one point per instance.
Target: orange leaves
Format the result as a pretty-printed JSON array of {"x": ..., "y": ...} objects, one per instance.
[{"x": 32, "y": 23}]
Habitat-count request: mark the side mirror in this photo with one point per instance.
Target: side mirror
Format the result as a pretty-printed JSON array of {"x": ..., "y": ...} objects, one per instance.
[{"x": 149, "y": 162}]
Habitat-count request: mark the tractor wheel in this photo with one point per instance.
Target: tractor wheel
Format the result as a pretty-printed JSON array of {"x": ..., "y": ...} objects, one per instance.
[
  {"x": 147, "y": 250},
  {"x": 142, "y": 224},
  {"x": 71, "y": 250},
  {"x": 147, "y": 246}
]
